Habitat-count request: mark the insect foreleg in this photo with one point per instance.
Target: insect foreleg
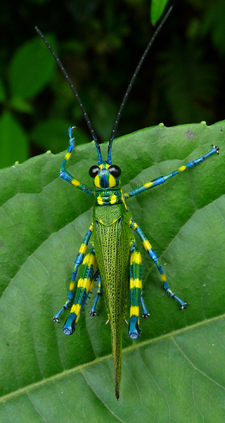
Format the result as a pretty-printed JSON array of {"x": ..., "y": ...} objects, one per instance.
[
  {"x": 161, "y": 179},
  {"x": 153, "y": 256},
  {"x": 99, "y": 292},
  {"x": 66, "y": 175},
  {"x": 78, "y": 262}
]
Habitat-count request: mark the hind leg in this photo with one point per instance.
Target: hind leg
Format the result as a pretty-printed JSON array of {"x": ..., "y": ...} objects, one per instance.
[
  {"x": 84, "y": 286},
  {"x": 135, "y": 292},
  {"x": 78, "y": 262}
]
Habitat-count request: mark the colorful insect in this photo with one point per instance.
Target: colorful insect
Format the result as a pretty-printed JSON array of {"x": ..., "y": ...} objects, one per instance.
[{"x": 114, "y": 260}]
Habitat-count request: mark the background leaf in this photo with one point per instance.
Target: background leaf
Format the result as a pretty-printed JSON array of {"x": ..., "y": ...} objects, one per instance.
[
  {"x": 157, "y": 9},
  {"x": 14, "y": 142},
  {"x": 50, "y": 134},
  {"x": 181, "y": 81},
  {"x": 30, "y": 69},
  {"x": 175, "y": 371}
]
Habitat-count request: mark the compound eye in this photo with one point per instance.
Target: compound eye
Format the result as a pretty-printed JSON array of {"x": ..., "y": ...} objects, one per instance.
[
  {"x": 93, "y": 171},
  {"x": 115, "y": 171}
]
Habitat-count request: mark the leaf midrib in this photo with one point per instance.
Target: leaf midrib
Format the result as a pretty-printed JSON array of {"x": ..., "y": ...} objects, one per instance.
[{"x": 58, "y": 376}]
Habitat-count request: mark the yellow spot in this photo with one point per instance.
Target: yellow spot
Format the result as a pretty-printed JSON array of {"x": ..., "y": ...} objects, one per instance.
[
  {"x": 76, "y": 310},
  {"x": 97, "y": 181},
  {"x": 182, "y": 168},
  {"x": 147, "y": 245},
  {"x": 163, "y": 277},
  {"x": 148, "y": 184},
  {"x": 100, "y": 200},
  {"x": 86, "y": 259},
  {"x": 123, "y": 199},
  {"x": 203, "y": 122},
  {"x": 113, "y": 199},
  {"x": 135, "y": 257},
  {"x": 161, "y": 124},
  {"x": 91, "y": 259},
  {"x": 67, "y": 156},
  {"x": 112, "y": 181},
  {"x": 75, "y": 182},
  {"x": 134, "y": 311},
  {"x": 71, "y": 288},
  {"x": 82, "y": 249},
  {"x": 84, "y": 283},
  {"x": 135, "y": 283}
]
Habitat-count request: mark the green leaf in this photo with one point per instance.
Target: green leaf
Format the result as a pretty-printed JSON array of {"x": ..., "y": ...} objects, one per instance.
[
  {"x": 14, "y": 143},
  {"x": 175, "y": 371},
  {"x": 21, "y": 105},
  {"x": 157, "y": 9},
  {"x": 31, "y": 68},
  {"x": 2, "y": 91},
  {"x": 213, "y": 24}
]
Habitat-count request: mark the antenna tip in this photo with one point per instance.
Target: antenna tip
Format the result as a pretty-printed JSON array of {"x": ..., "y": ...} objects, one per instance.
[{"x": 37, "y": 30}]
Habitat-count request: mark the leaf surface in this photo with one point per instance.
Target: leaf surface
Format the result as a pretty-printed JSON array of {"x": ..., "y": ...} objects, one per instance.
[{"x": 175, "y": 371}]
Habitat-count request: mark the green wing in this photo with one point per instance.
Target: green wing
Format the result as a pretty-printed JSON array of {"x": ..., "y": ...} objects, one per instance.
[{"x": 111, "y": 243}]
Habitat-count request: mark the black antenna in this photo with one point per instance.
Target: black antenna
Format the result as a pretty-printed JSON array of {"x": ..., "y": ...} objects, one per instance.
[
  {"x": 132, "y": 82},
  {"x": 73, "y": 89}
]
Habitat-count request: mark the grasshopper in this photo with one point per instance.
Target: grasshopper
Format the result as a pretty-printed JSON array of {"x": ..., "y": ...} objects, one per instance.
[{"x": 114, "y": 260}]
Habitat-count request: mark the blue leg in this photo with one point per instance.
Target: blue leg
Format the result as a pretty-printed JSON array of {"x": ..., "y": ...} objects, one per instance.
[
  {"x": 66, "y": 175},
  {"x": 145, "y": 312},
  {"x": 99, "y": 292},
  {"x": 78, "y": 262},
  {"x": 162, "y": 179}
]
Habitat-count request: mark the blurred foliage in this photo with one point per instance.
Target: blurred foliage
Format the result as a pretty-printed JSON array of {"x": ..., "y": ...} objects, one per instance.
[{"x": 100, "y": 44}]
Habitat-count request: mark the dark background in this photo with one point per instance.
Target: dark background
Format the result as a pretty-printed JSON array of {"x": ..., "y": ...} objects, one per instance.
[{"x": 100, "y": 43}]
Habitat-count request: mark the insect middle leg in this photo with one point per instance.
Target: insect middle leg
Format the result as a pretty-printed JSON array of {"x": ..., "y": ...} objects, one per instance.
[
  {"x": 154, "y": 257},
  {"x": 135, "y": 291},
  {"x": 78, "y": 262}
]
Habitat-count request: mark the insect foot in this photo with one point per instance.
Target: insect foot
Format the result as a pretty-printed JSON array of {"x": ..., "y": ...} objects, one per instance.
[
  {"x": 93, "y": 313},
  {"x": 146, "y": 315},
  {"x": 216, "y": 148},
  {"x": 55, "y": 319},
  {"x": 134, "y": 330},
  {"x": 183, "y": 306},
  {"x": 70, "y": 324}
]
